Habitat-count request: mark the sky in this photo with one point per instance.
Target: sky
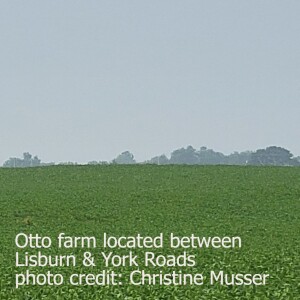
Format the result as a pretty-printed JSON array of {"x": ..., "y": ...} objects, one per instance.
[{"x": 87, "y": 80}]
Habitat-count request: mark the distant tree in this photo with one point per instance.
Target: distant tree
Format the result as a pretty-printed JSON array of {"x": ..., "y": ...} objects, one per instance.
[
  {"x": 210, "y": 157},
  {"x": 159, "y": 160},
  {"x": 272, "y": 156},
  {"x": 237, "y": 158},
  {"x": 296, "y": 161},
  {"x": 125, "y": 158},
  {"x": 93, "y": 162},
  {"x": 68, "y": 163},
  {"x": 27, "y": 161},
  {"x": 35, "y": 161},
  {"x": 186, "y": 156},
  {"x": 13, "y": 162},
  {"x": 47, "y": 164}
]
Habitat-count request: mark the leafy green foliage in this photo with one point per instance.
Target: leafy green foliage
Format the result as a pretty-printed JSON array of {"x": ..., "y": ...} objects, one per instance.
[{"x": 259, "y": 204}]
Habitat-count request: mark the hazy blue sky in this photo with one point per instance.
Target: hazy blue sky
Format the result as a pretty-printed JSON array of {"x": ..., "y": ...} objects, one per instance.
[{"x": 86, "y": 80}]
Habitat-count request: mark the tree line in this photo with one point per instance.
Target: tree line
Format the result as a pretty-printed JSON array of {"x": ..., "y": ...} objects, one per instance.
[{"x": 270, "y": 156}]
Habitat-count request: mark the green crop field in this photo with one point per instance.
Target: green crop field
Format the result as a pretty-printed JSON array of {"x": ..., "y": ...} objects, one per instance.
[{"x": 259, "y": 204}]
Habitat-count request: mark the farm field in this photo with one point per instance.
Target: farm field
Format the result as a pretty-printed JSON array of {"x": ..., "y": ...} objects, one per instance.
[{"x": 259, "y": 204}]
